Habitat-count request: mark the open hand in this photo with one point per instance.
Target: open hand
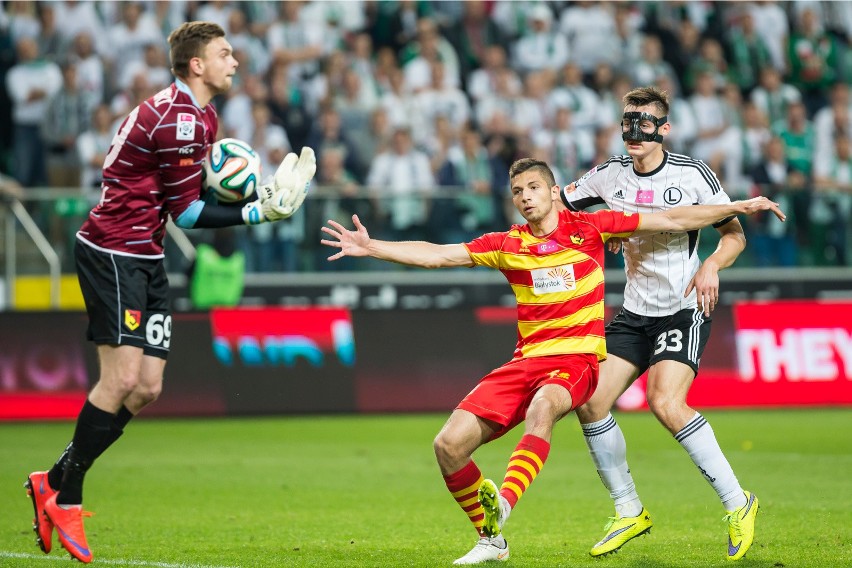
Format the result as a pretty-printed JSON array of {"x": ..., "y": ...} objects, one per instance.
[{"x": 350, "y": 243}]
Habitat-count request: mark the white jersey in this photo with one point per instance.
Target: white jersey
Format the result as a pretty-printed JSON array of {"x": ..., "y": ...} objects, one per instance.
[{"x": 660, "y": 266}]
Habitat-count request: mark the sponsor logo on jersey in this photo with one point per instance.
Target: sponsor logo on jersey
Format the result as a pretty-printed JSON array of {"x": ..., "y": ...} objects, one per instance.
[
  {"x": 186, "y": 162},
  {"x": 549, "y": 246},
  {"x": 186, "y": 150},
  {"x": 645, "y": 196},
  {"x": 185, "y": 126},
  {"x": 618, "y": 195},
  {"x": 132, "y": 319},
  {"x": 551, "y": 280},
  {"x": 672, "y": 195}
]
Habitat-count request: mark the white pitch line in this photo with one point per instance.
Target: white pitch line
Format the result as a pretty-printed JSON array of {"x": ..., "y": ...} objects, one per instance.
[{"x": 22, "y": 556}]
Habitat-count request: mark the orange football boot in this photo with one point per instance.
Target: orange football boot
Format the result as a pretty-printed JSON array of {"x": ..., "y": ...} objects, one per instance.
[
  {"x": 69, "y": 528},
  {"x": 40, "y": 491}
]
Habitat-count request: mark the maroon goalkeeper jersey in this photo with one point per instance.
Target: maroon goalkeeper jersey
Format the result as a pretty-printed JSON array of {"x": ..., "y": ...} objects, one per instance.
[{"x": 153, "y": 169}]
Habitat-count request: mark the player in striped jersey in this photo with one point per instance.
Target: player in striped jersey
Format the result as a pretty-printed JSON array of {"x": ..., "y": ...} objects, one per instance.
[
  {"x": 151, "y": 172},
  {"x": 665, "y": 321},
  {"x": 554, "y": 264}
]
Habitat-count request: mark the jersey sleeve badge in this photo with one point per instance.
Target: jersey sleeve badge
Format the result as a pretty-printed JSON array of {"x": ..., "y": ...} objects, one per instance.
[{"x": 185, "y": 126}]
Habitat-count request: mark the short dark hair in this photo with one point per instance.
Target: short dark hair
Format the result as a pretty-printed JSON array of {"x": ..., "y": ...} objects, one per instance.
[
  {"x": 189, "y": 40},
  {"x": 526, "y": 164},
  {"x": 644, "y": 96}
]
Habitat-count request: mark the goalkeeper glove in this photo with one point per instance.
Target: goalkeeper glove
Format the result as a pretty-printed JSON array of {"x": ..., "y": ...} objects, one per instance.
[
  {"x": 258, "y": 211},
  {"x": 292, "y": 179},
  {"x": 283, "y": 196}
]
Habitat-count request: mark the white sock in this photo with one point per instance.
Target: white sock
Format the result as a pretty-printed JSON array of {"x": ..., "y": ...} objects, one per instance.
[
  {"x": 609, "y": 452},
  {"x": 505, "y": 509},
  {"x": 699, "y": 441}
]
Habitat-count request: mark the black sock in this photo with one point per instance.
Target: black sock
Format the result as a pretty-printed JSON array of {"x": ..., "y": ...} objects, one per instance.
[
  {"x": 90, "y": 437},
  {"x": 54, "y": 476},
  {"x": 116, "y": 429}
]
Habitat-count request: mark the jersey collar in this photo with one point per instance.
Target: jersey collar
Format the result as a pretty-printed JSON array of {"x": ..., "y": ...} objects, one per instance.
[
  {"x": 184, "y": 88},
  {"x": 655, "y": 170}
]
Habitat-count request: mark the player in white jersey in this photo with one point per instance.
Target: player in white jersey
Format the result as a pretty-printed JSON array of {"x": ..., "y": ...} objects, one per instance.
[{"x": 664, "y": 323}]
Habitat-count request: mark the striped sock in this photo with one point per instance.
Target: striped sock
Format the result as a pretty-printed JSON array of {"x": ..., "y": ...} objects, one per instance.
[
  {"x": 526, "y": 461},
  {"x": 464, "y": 486}
]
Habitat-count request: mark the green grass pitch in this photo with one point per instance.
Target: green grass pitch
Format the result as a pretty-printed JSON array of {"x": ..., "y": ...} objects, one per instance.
[{"x": 365, "y": 491}]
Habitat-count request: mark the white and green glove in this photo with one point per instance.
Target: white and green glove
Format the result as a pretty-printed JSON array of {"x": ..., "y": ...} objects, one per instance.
[{"x": 283, "y": 196}]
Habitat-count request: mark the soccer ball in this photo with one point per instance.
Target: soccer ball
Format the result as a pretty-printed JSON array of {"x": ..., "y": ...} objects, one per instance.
[{"x": 231, "y": 170}]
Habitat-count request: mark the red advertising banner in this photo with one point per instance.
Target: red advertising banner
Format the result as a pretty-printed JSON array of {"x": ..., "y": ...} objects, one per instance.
[
  {"x": 276, "y": 360},
  {"x": 780, "y": 353}
]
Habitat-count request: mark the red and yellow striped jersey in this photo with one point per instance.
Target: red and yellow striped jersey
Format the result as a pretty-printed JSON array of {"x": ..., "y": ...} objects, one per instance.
[{"x": 558, "y": 279}]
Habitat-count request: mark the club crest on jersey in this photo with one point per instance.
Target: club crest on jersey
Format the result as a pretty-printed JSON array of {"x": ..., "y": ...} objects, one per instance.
[
  {"x": 555, "y": 279},
  {"x": 132, "y": 319},
  {"x": 645, "y": 196},
  {"x": 185, "y": 126},
  {"x": 578, "y": 238},
  {"x": 672, "y": 195}
]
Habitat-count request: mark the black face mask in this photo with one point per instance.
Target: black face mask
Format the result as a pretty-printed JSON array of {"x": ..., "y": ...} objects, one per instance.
[{"x": 634, "y": 131}]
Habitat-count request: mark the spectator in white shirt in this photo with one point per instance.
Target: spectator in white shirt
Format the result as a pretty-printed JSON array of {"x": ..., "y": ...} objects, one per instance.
[
  {"x": 572, "y": 93},
  {"x": 651, "y": 65},
  {"x": 153, "y": 64},
  {"x": 402, "y": 178},
  {"x": 481, "y": 81},
  {"x": 31, "y": 83},
  {"x": 773, "y": 27},
  {"x": 399, "y": 102},
  {"x": 772, "y": 96},
  {"x": 299, "y": 43},
  {"x": 257, "y": 58},
  {"x": 430, "y": 46},
  {"x": 497, "y": 112},
  {"x": 832, "y": 119},
  {"x": 590, "y": 29},
  {"x": 90, "y": 68},
  {"x": 236, "y": 118},
  {"x": 541, "y": 48},
  {"x": 76, "y": 17},
  {"x": 22, "y": 20},
  {"x": 681, "y": 117},
  {"x": 127, "y": 39},
  {"x": 567, "y": 147},
  {"x": 440, "y": 100},
  {"x": 92, "y": 148},
  {"x": 717, "y": 142},
  {"x": 218, "y": 12}
]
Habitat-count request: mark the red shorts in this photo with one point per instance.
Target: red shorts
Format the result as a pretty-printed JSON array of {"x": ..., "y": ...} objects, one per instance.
[{"x": 504, "y": 394}]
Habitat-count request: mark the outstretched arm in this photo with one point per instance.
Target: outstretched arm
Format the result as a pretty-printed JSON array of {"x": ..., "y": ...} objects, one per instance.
[
  {"x": 411, "y": 253},
  {"x": 692, "y": 217}
]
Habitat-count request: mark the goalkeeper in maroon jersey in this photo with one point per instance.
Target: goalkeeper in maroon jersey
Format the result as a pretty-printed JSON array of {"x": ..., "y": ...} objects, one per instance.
[
  {"x": 151, "y": 172},
  {"x": 554, "y": 264}
]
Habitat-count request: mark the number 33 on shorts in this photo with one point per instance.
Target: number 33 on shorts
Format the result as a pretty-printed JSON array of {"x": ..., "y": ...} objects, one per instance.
[{"x": 670, "y": 340}]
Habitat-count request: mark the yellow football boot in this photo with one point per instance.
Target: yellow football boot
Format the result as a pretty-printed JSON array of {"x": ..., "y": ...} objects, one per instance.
[
  {"x": 741, "y": 527},
  {"x": 621, "y": 529}
]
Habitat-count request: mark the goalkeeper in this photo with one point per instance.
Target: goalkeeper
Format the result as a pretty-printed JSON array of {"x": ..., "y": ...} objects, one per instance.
[{"x": 152, "y": 171}]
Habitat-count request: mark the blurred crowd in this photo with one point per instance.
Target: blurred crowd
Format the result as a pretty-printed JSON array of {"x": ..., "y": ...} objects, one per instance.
[{"x": 417, "y": 108}]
